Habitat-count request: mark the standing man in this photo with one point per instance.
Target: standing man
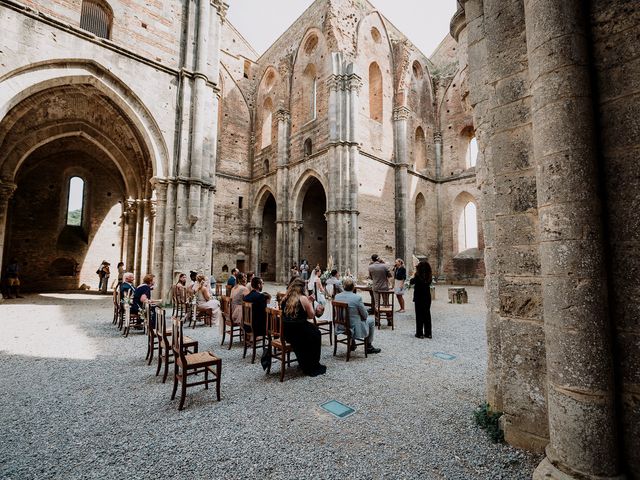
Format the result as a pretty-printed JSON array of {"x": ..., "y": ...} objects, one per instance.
[
  {"x": 13, "y": 279},
  {"x": 103, "y": 274},
  {"x": 380, "y": 273},
  {"x": 362, "y": 327}
]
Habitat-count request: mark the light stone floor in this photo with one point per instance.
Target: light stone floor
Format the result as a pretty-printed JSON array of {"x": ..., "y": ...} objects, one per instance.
[{"x": 77, "y": 401}]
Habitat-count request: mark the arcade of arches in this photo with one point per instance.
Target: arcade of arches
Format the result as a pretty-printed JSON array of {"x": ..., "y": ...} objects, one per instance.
[{"x": 343, "y": 140}]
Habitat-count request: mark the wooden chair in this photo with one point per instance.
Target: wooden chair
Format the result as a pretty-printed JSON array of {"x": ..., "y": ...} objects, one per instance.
[
  {"x": 165, "y": 351},
  {"x": 152, "y": 339},
  {"x": 227, "y": 290},
  {"x": 325, "y": 327},
  {"x": 250, "y": 340},
  {"x": 219, "y": 287},
  {"x": 179, "y": 303},
  {"x": 340, "y": 314},
  {"x": 279, "y": 348},
  {"x": 128, "y": 319},
  {"x": 117, "y": 307},
  {"x": 231, "y": 328},
  {"x": 384, "y": 307},
  {"x": 192, "y": 364},
  {"x": 195, "y": 315}
]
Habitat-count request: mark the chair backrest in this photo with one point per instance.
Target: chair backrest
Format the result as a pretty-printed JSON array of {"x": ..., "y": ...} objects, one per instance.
[
  {"x": 385, "y": 299},
  {"x": 161, "y": 322},
  {"x": 247, "y": 314},
  {"x": 147, "y": 318},
  {"x": 176, "y": 338},
  {"x": 116, "y": 297},
  {"x": 279, "y": 297},
  {"x": 340, "y": 314},
  {"x": 274, "y": 322},
  {"x": 227, "y": 290},
  {"x": 218, "y": 290},
  {"x": 225, "y": 307}
]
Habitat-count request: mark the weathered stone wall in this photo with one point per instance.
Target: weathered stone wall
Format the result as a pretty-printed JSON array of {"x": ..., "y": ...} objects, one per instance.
[{"x": 52, "y": 255}]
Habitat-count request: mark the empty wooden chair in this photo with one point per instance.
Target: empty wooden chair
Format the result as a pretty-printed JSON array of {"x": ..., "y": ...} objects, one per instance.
[
  {"x": 179, "y": 301},
  {"x": 165, "y": 350},
  {"x": 384, "y": 307},
  {"x": 279, "y": 348},
  {"x": 251, "y": 340},
  {"x": 325, "y": 327},
  {"x": 117, "y": 307},
  {"x": 192, "y": 364},
  {"x": 152, "y": 339},
  {"x": 341, "y": 321},
  {"x": 234, "y": 330}
]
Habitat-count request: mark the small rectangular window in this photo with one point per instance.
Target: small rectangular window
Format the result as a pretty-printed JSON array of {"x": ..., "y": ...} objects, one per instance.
[
  {"x": 239, "y": 202},
  {"x": 247, "y": 68}
]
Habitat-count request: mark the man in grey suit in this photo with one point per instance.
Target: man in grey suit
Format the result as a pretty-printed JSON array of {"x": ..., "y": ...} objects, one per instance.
[{"x": 361, "y": 325}]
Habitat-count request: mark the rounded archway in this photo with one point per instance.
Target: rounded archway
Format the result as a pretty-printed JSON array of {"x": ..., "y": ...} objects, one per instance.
[
  {"x": 267, "y": 260},
  {"x": 313, "y": 235},
  {"x": 65, "y": 132}
]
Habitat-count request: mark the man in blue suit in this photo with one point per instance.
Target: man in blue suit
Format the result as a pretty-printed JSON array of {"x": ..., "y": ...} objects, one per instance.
[{"x": 362, "y": 327}]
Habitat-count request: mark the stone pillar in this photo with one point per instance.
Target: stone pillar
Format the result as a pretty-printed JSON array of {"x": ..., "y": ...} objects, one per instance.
[
  {"x": 350, "y": 259},
  {"x": 6, "y": 192},
  {"x": 400, "y": 117},
  {"x": 132, "y": 225},
  {"x": 283, "y": 215},
  {"x": 140, "y": 208},
  {"x": 151, "y": 217},
  {"x": 580, "y": 383},
  {"x": 161, "y": 266},
  {"x": 296, "y": 227},
  {"x": 256, "y": 232}
]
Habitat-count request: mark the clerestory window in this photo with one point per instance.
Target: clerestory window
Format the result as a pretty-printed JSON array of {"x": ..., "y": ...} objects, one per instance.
[
  {"x": 96, "y": 17},
  {"x": 75, "y": 202}
]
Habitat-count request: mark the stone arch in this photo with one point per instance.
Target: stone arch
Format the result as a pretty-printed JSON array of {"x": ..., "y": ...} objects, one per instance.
[
  {"x": 376, "y": 107},
  {"x": 268, "y": 99},
  {"x": 265, "y": 215},
  {"x": 462, "y": 200},
  {"x": 300, "y": 189},
  {"x": 419, "y": 150},
  {"x": 310, "y": 210},
  {"x": 56, "y": 116},
  {"x": 235, "y": 115},
  {"x": 37, "y": 77},
  {"x": 421, "y": 216}
]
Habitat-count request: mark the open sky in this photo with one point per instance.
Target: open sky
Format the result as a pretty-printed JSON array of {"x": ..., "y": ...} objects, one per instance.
[{"x": 261, "y": 22}]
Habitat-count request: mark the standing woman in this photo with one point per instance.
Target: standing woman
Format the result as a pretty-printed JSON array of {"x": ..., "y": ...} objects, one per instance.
[
  {"x": 422, "y": 299},
  {"x": 303, "y": 335},
  {"x": 399, "y": 276}
]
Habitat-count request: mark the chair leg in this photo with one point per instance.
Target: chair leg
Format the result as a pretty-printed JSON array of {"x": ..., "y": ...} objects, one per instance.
[
  {"x": 272, "y": 352},
  {"x": 224, "y": 333},
  {"x": 160, "y": 351},
  {"x": 218, "y": 373},
  {"x": 166, "y": 365},
  {"x": 206, "y": 378},
  {"x": 330, "y": 334},
  {"x": 283, "y": 366},
  {"x": 246, "y": 339},
  {"x": 230, "y": 336},
  {"x": 151, "y": 349},
  {"x": 183, "y": 390},
  {"x": 175, "y": 382},
  {"x": 349, "y": 347},
  {"x": 335, "y": 344}
]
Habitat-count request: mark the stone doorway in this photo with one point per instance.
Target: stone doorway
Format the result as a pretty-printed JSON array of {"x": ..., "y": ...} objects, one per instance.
[
  {"x": 313, "y": 242},
  {"x": 267, "y": 262}
]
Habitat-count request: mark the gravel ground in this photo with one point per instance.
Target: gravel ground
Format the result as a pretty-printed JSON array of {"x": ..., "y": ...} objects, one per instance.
[{"x": 78, "y": 401}]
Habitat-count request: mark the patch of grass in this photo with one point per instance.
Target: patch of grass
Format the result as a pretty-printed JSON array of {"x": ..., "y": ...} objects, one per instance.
[{"x": 487, "y": 419}]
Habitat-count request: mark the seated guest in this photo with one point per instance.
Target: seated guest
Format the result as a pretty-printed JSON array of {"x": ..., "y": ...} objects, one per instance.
[
  {"x": 126, "y": 287},
  {"x": 180, "y": 288},
  {"x": 192, "y": 276},
  {"x": 361, "y": 326},
  {"x": 303, "y": 335},
  {"x": 204, "y": 300},
  {"x": 231, "y": 281},
  {"x": 237, "y": 294},
  {"x": 142, "y": 295},
  {"x": 334, "y": 284},
  {"x": 259, "y": 302}
]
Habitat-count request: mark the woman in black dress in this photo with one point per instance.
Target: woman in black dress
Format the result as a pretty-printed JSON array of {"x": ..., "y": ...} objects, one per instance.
[
  {"x": 422, "y": 298},
  {"x": 303, "y": 336}
]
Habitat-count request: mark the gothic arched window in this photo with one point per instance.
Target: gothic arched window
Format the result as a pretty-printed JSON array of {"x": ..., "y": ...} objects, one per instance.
[
  {"x": 375, "y": 92},
  {"x": 75, "y": 202},
  {"x": 308, "y": 147},
  {"x": 472, "y": 152},
  {"x": 420, "y": 150},
  {"x": 96, "y": 17},
  {"x": 267, "y": 120},
  {"x": 468, "y": 228}
]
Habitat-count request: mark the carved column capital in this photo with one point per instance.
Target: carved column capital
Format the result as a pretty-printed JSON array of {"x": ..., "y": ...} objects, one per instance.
[
  {"x": 296, "y": 226},
  {"x": 283, "y": 115},
  {"x": 256, "y": 231},
  {"x": 353, "y": 82},
  {"x": 334, "y": 82},
  {"x": 401, "y": 113},
  {"x": 221, "y": 7}
]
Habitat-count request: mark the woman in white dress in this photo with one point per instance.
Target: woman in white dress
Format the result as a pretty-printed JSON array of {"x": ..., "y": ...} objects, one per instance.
[
  {"x": 315, "y": 285},
  {"x": 204, "y": 300},
  {"x": 238, "y": 293}
]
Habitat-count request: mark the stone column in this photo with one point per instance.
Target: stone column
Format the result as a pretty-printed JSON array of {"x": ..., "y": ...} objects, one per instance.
[
  {"x": 580, "y": 384},
  {"x": 256, "y": 232},
  {"x": 151, "y": 217},
  {"x": 350, "y": 258},
  {"x": 296, "y": 227},
  {"x": 437, "y": 137},
  {"x": 140, "y": 207},
  {"x": 161, "y": 266},
  {"x": 132, "y": 225},
  {"x": 283, "y": 247},
  {"x": 6, "y": 192},
  {"x": 400, "y": 117}
]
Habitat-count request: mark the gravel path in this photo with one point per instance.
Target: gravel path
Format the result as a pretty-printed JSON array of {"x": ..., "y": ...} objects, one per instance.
[{"x": 78, "y": 401}]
